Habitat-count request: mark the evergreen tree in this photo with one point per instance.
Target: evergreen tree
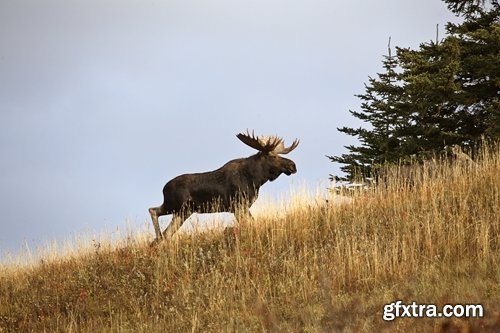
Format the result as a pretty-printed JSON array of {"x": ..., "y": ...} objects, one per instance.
[
  {"x": 386, "y": 140},
  {"x": 445, "y": 93},
  {"x": 478, "y": 38},
  {"x": 454, "y": 84},
  {"x": 429, "y": 75}
]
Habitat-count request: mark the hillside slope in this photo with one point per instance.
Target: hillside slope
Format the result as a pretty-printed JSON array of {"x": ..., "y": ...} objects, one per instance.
[{"x": 321, "y": 268}]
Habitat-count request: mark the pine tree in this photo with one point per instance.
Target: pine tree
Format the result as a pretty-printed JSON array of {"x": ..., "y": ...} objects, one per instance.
[
  {"x": 445, "y": 93},
  {"x": 380, "y": 107},
  {"x": 464, "y": 7},
  {"x": 429, "y": 74},
  {"x": 478, "y": 38},
  {"x": 454, "y": 84}
]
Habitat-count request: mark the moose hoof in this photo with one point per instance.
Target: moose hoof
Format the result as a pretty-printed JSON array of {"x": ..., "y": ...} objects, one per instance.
[
  {"x": 231, "y": 236},
  {"x": 155, "y": 242}
]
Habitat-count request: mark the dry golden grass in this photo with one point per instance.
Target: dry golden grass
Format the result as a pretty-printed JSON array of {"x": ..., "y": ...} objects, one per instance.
[{"x": 317, "y": 268}]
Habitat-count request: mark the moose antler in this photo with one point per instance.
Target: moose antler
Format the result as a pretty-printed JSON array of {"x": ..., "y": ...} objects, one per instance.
[
  {"x": 267, "y": 144},
  {"x": 280, "y": 148}
]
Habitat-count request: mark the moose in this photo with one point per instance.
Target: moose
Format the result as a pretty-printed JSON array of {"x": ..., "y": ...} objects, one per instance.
[{"x": 232, "y": 188}]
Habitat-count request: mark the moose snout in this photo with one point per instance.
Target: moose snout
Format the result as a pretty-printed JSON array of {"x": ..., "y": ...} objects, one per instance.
[{"x": 290, "y": 169}]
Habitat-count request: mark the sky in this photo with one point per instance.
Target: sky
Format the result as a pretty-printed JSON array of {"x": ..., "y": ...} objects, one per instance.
[{"x": 103, "y": 101}]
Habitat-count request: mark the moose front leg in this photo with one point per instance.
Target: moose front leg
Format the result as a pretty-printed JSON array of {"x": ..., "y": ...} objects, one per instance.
[{"x": 243, "y": 214}]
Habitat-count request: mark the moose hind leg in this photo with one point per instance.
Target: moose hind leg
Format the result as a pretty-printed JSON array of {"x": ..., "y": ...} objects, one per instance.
[
  {"x": 175, "y": 224},
  {"x": 155, "y": 212}
]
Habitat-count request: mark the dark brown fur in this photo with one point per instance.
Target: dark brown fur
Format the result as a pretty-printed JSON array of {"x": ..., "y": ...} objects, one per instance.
[{"x": 232, "y": 188}]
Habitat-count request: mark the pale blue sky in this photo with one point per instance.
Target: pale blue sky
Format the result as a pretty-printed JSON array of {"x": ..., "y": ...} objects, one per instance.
[{"x": 102, "y": 102}]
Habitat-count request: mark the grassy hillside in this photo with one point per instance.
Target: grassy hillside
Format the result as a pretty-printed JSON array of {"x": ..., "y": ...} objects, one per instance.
[{"x": 317, "y": 268}]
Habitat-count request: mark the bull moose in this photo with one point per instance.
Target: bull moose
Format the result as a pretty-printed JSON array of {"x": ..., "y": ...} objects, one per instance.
[{"x": 232, "y": 188}]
